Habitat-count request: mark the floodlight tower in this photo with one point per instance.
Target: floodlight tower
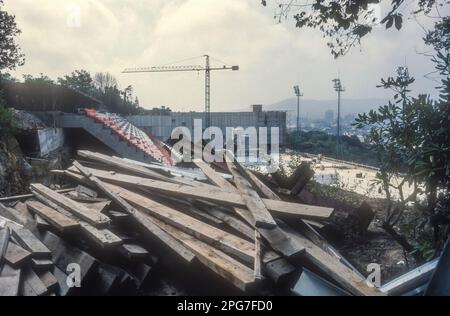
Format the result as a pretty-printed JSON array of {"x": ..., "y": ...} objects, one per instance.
[
  {"x": 339, "y": 89},
  {"x": 299, "y": 95}
]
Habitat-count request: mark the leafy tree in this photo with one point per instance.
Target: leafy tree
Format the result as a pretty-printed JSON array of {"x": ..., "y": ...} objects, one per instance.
[
  {"x": 7, "y": 123},
  {"x": 411, "y": 137},
  {"x": 80, "y": 80},
  {"x": 41, "y": 79},
  {"x": 345, "y": 22},
  {"x": 439, "y": 37},
  {"x": 10, "y": 55}
]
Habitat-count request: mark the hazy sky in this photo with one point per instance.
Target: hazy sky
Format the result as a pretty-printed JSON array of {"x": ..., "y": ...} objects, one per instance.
[{"x": 111, "y": 35}]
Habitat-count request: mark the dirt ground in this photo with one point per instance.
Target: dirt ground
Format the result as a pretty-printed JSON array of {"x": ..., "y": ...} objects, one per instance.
[{"x": 363, "y": 248}]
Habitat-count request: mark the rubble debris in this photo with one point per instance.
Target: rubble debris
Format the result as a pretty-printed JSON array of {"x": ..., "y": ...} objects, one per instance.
[{"x": 235, "y": 226}]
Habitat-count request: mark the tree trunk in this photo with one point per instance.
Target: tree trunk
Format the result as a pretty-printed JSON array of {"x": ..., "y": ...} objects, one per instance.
[{"x": 403, "y": 242}]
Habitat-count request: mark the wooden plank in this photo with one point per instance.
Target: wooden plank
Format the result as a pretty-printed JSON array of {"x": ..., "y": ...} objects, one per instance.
[
  {"x": 227, "y": 217},
  {"x": 168, "y": 171},
  {"x": 279, "y": 270},
  {"x": 27, "y": 196},
  {"x": 302, "y": 175},
  {"x": 139, "y": 170},
  {"x": 214, "y": 194},
  {"x": 9, "y": 281},
  {"x": 99, "y": 207},
  {"x": 41, "y": 264},
  {"x": 277, "y": 239},
  {"x": 49, "y": 280},
  {"x": 32, "y": 285},
  {"x": 262, "y": 189},
  {"x": 101, "y": 237},
  {"x": 10, "y": 214},
  {"x": 30, "y": 242},
  {"x": 257, "y": 265},
  {"x": 86, "y": 191},
  {"x": 16, "y": 256},
  {"x": 109, "y": 278},
  {"x": 133, "y": 252},
  {"x": 65, "y": 254},
  {"x": 146, "y": 223},
  {"x": 119, "y": 217},
  {"x": 213, "y": 176},
  {"x": 308, "y": 231},
  {"x": 237, "y": 224},
  {"x": 262, "y": 217},
  {"x": 96, "y": 219},
  {"x": 4, "y": 242},
  {"x": 85, "y": 199},
  {"x": 222, "y": 264},
  {"x": 129, "y": 167},
  {"x": 41, "y": 223},
  {"x": 335, "y": 269},
  {"x": 28, "y": 218},
  {"x": 226, "y": 242},
  {"x": 275, "y": 236},
  {"x": 7, "y": 223},
  {"x": 61, "y": 277},
  {"x": 56, "y": 219}
]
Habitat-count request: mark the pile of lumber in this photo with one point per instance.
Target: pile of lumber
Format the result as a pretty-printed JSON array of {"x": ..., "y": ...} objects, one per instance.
[{"x": 122, "y": 216}]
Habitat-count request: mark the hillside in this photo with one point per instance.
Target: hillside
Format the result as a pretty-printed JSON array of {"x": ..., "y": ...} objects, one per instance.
[{"x": 315, "y": 109}]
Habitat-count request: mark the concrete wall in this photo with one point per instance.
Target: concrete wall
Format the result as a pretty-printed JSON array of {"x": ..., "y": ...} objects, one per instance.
[
  {"x": 50, "y": 139},
  {"x": 162, "y": 126}
]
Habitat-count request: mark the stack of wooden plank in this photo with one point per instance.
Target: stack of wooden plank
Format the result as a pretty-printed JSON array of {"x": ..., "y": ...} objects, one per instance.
[{"x": 234, "y": 225}]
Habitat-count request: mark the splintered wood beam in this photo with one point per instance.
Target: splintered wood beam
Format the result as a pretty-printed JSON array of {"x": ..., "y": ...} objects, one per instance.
[
  {"x": 11, "y": 215},
  {"x": 118, "y": 163},
  {"x": 214, "y": 194},
  {"x": 275, "y": 236},
  {"x": 224, "y": 241},
  {"x": 335, "y": 269},
  {"x": 257, "y": 265},
  {"x": 261, "y": 187},
  {"x": 31, "y": 285},
  {"x": 261, "y": 216},
  {"x": 16, "y": 256},
  {"x": 53, "y": 217},
  {"x": 136, "y": 169},
  {"x": 213, "y": 176},
  {"x": 147, "y": 223},
  {"x": 94, "y": 218},
  {"x": 219, "y": 262},
  {"x": 4, "y": 242},
  {"x": 30, "y": 242},
  {"x": 101, "y": 237},
  {"x": 27, "y": 196}
]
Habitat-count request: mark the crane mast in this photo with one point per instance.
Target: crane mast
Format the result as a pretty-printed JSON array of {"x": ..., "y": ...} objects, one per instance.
[
  {"x": 207, "y": 68},
  {"x": 207, "y": 93}
]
